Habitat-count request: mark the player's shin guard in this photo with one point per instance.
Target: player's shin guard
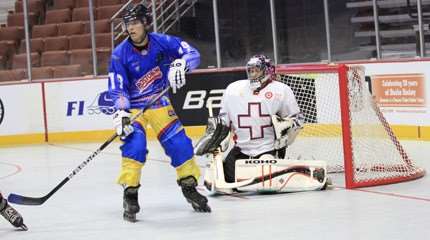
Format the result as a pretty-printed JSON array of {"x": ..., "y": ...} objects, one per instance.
[
  {"x": 131, "y": 203},
  {"x": 197, "y": 201},
  {"x": 11, "y": 214},
  {"x": 130, "y": 178},
  {"x": 130, "y": 172}
]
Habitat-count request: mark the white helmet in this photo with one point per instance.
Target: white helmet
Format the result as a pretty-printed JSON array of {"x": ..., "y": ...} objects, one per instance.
[{"x": 259, "y": 70}]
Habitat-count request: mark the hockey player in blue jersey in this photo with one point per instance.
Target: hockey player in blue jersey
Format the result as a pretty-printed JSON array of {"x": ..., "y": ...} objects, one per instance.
[{"x": 141, "y": 66}]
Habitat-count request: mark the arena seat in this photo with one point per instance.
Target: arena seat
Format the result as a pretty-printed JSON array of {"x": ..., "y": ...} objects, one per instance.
[
  {"x": 103, "y": 40},
  {"x": 84, "y": 3},
  {"x": 64, "y": 4},
  {"x": 36, "y": 6},
  {"x": 12, "y": 75},
  {"x": 109, "y": 2},
  {"x": 71, "y": 28},
  {"x": 3, "y": 62},
  {"x": 17, "y": 19},
  {"x": 101, "y": 26},
  {"x": 106, "y": 12},
  {"x": 67, "y": 71},
  {"x": 36, "y": 45},
  {"x": 20, "y": 60},
  {"x": 103, "y": 58},
  {"x": 80, "y": 41},
  {"x": 14, "y": 34},
  {"x": 45, "y": 30},
  {"x": 81, "y": 14},
  {"x": 56, "y": 43},
  {"x": 54, "y": 58},
  {"x": 84, "y": 58},
  {"x": 7, "y": 50},
  {"x": 5, "y": 47},
  {"x": 40, "y": 73},
  {"x": 58, "y": 16}
]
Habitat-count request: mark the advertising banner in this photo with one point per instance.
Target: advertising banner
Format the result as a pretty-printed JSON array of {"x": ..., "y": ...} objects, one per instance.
[
  {"x": 78, "y": 106},
  {"x": 191, "y": 101},
  {"x": 21, "y": 109},
  {"x": 400, "y": 89}
]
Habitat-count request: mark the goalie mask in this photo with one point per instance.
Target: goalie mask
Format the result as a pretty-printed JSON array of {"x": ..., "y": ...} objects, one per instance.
[{"x": 259, "y": 71}]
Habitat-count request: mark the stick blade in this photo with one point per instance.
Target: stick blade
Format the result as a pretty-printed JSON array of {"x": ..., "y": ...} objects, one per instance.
[{"x": 22, "y": 200}]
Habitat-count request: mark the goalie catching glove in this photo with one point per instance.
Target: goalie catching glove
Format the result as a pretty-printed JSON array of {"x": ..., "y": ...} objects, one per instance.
[
  {"x": 122, "y": 123},
  {"x": 286, "y": 130},
  {"x": 216, "y": 135},
  {"x": 176, "y": 74}
]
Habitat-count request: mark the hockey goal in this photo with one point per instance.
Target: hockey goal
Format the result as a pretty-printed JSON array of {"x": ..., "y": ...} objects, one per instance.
[{"x": 345, "y": 127}]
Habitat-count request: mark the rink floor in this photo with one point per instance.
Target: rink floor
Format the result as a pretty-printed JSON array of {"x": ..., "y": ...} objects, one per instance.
[{"x": 90, "y": 205}]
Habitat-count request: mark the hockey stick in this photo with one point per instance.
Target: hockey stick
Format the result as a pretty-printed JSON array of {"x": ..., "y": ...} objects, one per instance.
[{"x": 23, "y": 200}]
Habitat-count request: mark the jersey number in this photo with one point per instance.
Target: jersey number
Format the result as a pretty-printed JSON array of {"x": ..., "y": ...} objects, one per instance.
[{"x": 119, "y": 79}]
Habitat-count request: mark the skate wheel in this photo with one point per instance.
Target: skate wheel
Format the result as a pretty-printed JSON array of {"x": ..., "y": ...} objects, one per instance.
[
  {"x": 23, "y": 227},
  {"x": 130, "y": 217},
  {"x": 197, "y": 208}
]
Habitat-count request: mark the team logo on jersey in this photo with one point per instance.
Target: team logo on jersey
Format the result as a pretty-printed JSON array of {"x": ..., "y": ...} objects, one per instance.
[
  {"x": 149, "y": 78},
  {"x": 268, "y": 95},
  {"x": 103, "y": 103},
  {"x": 1, "y": 111}
]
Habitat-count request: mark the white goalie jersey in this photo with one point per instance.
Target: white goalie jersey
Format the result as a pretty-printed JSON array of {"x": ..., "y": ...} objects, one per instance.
[{"x": 249, "y": 114}]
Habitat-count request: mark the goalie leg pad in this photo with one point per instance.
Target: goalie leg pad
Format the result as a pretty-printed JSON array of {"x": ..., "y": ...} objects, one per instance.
[
  {"x": 215, "y": 178},
  {"x": 281, "y": 175}
]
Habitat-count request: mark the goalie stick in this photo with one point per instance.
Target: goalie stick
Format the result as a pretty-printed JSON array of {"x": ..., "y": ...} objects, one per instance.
[{"x": 23, "y": 200}]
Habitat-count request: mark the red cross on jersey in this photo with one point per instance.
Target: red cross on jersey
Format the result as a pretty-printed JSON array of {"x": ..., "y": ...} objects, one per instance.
[{"x": 255, "y": 121}]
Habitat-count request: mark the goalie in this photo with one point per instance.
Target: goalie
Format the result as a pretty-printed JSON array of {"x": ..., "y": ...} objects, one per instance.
[{"x": 265, "y": 119}]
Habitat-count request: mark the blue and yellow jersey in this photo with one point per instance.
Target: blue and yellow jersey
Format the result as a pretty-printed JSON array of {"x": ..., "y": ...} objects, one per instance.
[{"x": 135, "y": 76}]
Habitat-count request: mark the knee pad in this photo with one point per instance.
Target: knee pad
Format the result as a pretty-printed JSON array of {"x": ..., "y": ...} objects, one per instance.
[
  {"x": 134, "y": 146},
  {"x": 179, "y": 148}
]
